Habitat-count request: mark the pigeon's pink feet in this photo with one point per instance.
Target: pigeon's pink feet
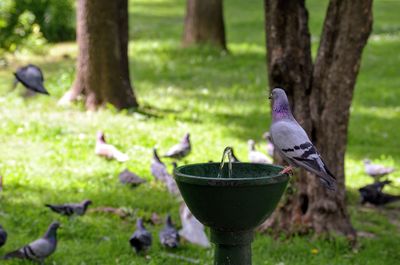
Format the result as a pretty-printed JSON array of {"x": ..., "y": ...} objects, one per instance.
[{"x": 287, "y": 170}]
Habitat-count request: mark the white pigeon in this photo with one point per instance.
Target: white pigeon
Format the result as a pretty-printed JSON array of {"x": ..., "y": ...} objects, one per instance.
[
  {"x": 192, "y": 230},
  {"x": 376, "y": 170},
  {"x": 256, "y": 156},
  {"x": 292, "y": 142},
  {"x": 270, "y": 146},
  {"x": 107, "y": 150}
]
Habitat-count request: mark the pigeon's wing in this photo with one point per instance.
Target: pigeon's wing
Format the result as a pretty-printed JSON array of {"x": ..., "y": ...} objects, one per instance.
[
  {"x": 65, "y": 209},
  {"x": 141, "y": 239},
  {"x": 169, "y": 237},
  {"x": 174, "y": 150},
  {"x": 294, "y": 145}
]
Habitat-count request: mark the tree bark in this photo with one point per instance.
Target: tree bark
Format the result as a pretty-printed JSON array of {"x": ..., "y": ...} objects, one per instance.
[
  {"x": 320, "y": 95},
  {"x": 204, "y": 23},
  {"x": 102, "y": 67}
]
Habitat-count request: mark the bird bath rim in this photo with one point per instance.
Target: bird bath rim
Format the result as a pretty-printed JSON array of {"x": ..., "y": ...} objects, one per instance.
[{"x": 274, "y": 177}]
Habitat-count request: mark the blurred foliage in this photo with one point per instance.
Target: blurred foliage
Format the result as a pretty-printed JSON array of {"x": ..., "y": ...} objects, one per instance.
[{"x": 30, "y": 23}]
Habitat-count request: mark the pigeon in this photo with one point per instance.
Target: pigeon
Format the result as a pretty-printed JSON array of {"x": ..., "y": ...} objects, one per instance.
[
  {"x": 292, "y": 142},
  {"x": 256, "y": 156},
  {"x": 39, "y": 249},
  {"x": 32, "y": 78},
  {"x": 3, "y": 236},
  {"x": 192, "y": 230},
  {"x": 107, "y": 150},
  {"x": 234, "y": 158},
  {"x": 171, "y": 183},
  {"x": 373, "y": 194},
  {"x": 141, "y": 238},
  {"x": 169, "y": 236},
  {"x": 128, "y": 177},
  {"x": 158, "y": 168},
  {"x": 375, "y": 170},
  {"x": 70, "y": 209},
  {"x": 180, "y": 150},
  {"x": 270, "y": 146}
]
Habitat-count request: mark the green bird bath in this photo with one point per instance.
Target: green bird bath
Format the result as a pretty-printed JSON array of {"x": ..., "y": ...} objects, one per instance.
[{"x": 232, "y": 207}]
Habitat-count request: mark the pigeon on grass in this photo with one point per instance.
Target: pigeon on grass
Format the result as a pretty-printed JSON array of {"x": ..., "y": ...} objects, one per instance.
[
  {"x": 107, "y": 150},
  {"x": 32, "y": 78},
  {"x": 373, "y": 194},
  {"x": 39, "y": 249},
  {"x": 292, "y": 142},
  {"x": 192, "y": 230},
  {"x": 3, "y": 236},
  {"x": 270, "y": 146},
  {"x": 256, "y": 156},
  {"x": 376, "y": 170},
  {"x": 141, "y": 239},
  {"x": 157, "y": 167},
  {"x": 130, "y": 178},
  {"x": 169, "y": 236},
  {"x": 181, "y": 149},
  {"x": 70, "y": 209}
]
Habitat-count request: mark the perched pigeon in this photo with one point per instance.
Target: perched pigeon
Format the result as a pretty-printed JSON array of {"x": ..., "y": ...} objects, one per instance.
[
  {"x": 169, "y": 236},
  {"x": 32, "y": 78},
  {"x": 234, "y": 158},
  {"x": 375, "y": 170},
  {"x": 128, "y": 177},
  {"x": 141, "y": 238},
  {"x": 3, "y": 236},
  {"x": 256, "y": 156},
  {"x": 171, "y": 183},
  {"x": 292, "y": 142},
  {"x": 69, "y": 209},
  {"x": 180, "y": 150},
  {"x": 107, "y": 150},
  {"x": 373, "y": 194},
  {"x": 39, "y": 249},
  {"x": 270, "y": 146},
  {"x": 158, "y": 168},
  {"x": 192, "y": 230}
]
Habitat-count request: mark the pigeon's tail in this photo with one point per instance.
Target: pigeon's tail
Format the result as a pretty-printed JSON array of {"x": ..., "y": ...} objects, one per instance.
[
  {"x": 16, "y": 254},
  {"x": 119, "y": 156},
  {"x": 328, "y": 180}
]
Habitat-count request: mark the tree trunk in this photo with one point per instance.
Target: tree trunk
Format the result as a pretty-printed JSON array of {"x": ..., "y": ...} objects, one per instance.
[
  {"x": 320, "y": 96},
  {"x": 103, "y": 67},
  {"x": 204, "y": 23}
]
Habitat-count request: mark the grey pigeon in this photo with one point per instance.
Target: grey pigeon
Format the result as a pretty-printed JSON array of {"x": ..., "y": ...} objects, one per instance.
[
  {"x": 169, "y": 236},
  {"x": 158, "y": 168},
  {"x": 292, "y": 142},
  {"x": 181, "y": 149},
  {"x": 171, "y": 183},
  {"x": 192, "y": 230},
  {"x": 39, "y": 249},
  {"x": 69, "y": 209},
  {"x": 130, "y": 178},
  {"x": 256, "y": 156},
  {"x": 32, "y": 78},
  {"x": 270, "y": 146},
  {"x": 107, "y": 150},
  {"x": 141, "y": 239},
  {"x": 376, "y": 170},
  {"x": 3, "y": 236},
  {"x": 373, "y": 194}
]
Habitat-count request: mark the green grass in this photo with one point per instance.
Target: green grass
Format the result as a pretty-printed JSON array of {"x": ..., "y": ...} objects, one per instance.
[{"x": 46, "y": 151}]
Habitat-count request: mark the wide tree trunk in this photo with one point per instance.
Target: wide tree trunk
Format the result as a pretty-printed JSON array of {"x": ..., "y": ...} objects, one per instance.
[
  {"x": 320, "y": 95},
  {"x": 204, "y": 23},
  {"x": 102, "y": 67}
]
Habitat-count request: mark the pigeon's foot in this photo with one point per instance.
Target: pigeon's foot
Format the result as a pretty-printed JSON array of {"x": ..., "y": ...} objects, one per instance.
[{"x": 287, "y": 170}]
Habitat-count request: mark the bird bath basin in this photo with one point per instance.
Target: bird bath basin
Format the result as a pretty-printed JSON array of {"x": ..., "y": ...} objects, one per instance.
[{"x": 232, "y": 207}]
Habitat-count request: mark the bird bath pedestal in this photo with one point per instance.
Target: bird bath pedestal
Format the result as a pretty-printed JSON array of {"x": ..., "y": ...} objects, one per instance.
[{"x": 231, "y": 207}]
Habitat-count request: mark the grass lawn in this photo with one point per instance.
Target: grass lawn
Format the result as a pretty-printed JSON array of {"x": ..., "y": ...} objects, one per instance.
[{"x": 47, "y": 151}]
